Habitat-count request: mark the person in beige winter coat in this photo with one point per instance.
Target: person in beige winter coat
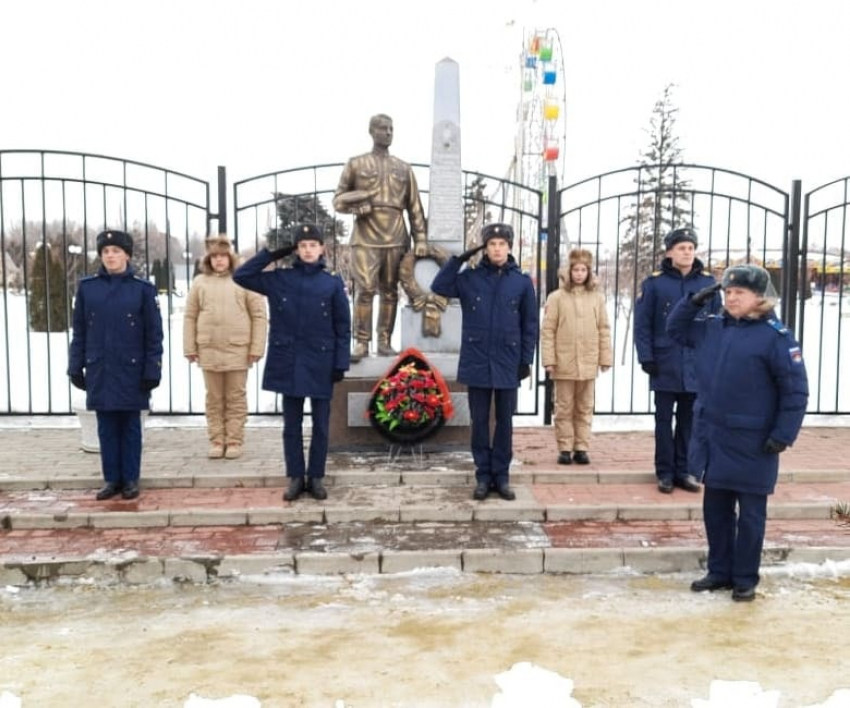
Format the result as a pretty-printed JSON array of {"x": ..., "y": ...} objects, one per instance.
[
  {"x": 576, "y": 345},
  {"x": 224, "y": 332}
]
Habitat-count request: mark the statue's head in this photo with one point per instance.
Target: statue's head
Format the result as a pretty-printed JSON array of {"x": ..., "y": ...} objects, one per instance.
[{"x": 381, "y": 129}]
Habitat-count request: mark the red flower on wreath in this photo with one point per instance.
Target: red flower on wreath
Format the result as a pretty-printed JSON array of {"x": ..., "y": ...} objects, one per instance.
[{"x": 412, "y": 397}]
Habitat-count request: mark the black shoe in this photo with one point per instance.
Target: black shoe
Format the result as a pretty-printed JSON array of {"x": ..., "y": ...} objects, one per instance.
[
  {"x": 742, "y": 594},
  {"x": 316, "y": 488},
  {"x": 130, "y": 491},
  {"x": 564, "y": 458},
  {"x": 109, "y": 490},
  {"x": 687, "y": 482},
  {"x": 504, "y": 491},
  {"x": 295, "y": 489},
  {"x": 665, "y": 486},
  {"x": 710, "y": 583},
  {"x": 482, "y": 489},
  {"x": 580, "y": 457}
]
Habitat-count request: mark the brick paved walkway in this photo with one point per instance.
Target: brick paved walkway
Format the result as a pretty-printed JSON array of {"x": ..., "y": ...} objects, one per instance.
[{"x": 200, "y": 514}]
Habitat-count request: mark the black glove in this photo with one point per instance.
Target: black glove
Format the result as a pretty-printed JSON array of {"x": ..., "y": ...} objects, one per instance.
[
  {"x": 703, "y": 296},
  {"x": 338, "y": 375},
  {"x": 466, "y": 255},
  {"x": 79, "y": 381},
  {"x": 524, "y": 371},
  {"x": 650, "y": 367},
  {"x": 279, "y": 253},
  {"x": 148, "y": 384},
  {"x": 773, "y": 447}
]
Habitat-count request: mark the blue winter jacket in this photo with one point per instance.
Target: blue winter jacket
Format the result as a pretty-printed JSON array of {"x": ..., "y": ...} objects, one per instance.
[
  {"x": 310, "y": 325},
  {"x": 117, "y": 340},
  {"x": 500, "y": 323},
  {"x": 752, "y": 385},
  {"x": 658, "y": 294}
]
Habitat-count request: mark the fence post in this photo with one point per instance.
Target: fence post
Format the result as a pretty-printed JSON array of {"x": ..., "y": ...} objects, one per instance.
[
  {"x": 222, "y": 200},
  {"x": 791, "y": 260},
  {"x": 553, "y": 254}
]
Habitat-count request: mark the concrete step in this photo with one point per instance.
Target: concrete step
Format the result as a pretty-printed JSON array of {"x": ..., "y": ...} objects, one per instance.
[
  {"x": 203, "y": 520},
  {"x": 213, "y": 553},
  {"x": 236, "y": 506}
]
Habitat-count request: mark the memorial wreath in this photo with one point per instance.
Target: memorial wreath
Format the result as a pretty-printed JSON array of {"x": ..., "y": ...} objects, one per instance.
[{"x": 411, "y": 402}]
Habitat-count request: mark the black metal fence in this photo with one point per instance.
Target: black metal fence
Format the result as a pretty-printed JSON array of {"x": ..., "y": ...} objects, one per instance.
[{"x": 57, "y": 202}]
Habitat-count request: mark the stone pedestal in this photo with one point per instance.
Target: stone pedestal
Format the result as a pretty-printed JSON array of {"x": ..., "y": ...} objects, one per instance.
[{"x": 351, "y": 429}]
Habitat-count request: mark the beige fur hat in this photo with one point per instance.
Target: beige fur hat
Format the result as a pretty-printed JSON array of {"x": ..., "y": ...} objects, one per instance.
[{"x": 581, "y": 255}]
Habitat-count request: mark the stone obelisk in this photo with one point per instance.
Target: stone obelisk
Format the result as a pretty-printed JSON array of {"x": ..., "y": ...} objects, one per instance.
[{"x": 445, "y": 212}]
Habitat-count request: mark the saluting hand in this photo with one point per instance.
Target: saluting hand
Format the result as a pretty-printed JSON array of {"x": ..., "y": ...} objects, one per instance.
[
  {"x": 466, "y": 255},
  {"x": 279, "y": 253},
  {"x": 703, "y": 296}
]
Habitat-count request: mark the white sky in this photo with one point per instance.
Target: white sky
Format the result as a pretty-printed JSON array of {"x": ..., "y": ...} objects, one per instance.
[{"x": 263, "y": 85}]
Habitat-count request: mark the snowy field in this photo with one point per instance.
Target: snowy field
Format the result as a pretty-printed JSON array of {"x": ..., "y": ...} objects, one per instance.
[{"x": 432, "y": 639}]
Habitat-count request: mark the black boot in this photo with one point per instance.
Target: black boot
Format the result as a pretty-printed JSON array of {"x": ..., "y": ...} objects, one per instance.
[
  {"x": 482, "y": 489},
  {"x": 580, "y": 457},
  {"x": 743, "y": 594},
  {"x": 665, "y": 486},
  {"x": 295, "y": 489},
  {"x": 564, "y": 458},
  {"x": 130, "y": 490},
  {"x": 504, "y": 491},
  {"x": 710, "y": 583},
  {"x": 110, "y": 489},
  {"x": 316, "y": 488},
  {"x": 687, "y": 482}
]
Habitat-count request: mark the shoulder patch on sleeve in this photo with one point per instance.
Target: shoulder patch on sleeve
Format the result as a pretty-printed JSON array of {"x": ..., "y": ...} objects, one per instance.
[
  {"x": 778, "y": 326},
  {"x": 796, "y": 355}
]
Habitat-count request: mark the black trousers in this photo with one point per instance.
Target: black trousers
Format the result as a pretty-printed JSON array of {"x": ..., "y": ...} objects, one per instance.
[
  {"x": 671, "y": 440},
  {"x": 293, "y": 436},
  {"x": 492, "y": 458}
]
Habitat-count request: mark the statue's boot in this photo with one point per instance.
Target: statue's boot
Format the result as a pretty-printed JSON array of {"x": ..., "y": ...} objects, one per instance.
[
  {"x": 386, "y": 324},
  {"x": 360, "y": 350}
]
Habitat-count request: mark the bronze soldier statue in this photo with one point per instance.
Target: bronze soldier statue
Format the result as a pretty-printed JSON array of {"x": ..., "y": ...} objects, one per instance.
[{"x": 378, "y": 188}]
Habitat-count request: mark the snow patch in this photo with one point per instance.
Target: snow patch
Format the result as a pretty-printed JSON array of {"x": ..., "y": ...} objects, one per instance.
[
  {"x": 528, "y": 685},
  {"x": 237, "y": 701}
]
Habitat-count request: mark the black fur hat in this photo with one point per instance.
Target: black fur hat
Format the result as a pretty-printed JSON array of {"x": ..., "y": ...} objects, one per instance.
[
  {"x": 307, "y": 232},
  {"x": 497, "y": 231},
  {"x": 678, "y": 236},
  {"x": 748, "y": 276},
  {"x": 115, "y": 238}
]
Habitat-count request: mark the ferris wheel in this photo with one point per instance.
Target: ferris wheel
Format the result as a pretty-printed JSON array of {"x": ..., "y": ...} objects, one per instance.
[{"x": 540, "y": 128}]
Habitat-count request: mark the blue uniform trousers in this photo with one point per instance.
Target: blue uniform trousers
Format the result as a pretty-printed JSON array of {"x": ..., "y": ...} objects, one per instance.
[
  {"x": 293, "y": 437},
  {"x": 492, "y": 460},
  {"x": 120, "y": 436},
  {"x": 671, "y": 442},
  {"x": 735, "y": 540}
]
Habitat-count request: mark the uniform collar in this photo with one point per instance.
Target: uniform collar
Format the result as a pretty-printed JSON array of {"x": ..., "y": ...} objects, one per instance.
[{"x": 310, "y": 268}]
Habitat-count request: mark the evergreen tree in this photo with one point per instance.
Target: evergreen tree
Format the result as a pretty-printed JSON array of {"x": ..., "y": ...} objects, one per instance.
[
  {"x": 294, "y": 209},
  {"x": 48, "y": 304},
  {"x": 663, "y": 202}
]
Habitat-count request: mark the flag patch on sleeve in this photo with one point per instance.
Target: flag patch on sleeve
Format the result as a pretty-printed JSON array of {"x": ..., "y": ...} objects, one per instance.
[{"x": 796, "y": 355}]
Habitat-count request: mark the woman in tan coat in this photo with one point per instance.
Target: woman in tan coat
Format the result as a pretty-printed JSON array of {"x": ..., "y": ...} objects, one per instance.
[
  {"x": 224, "y": 332},
  {"x": 576, "y": 345}
]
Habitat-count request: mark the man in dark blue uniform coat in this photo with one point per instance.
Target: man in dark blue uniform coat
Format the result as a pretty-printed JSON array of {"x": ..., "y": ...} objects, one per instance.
[
  {"x": 669, "y": 365},
  {"x": 116, "y": 358},
  {"x": 752, "y": 397},
  {"x": 499, "y": 335},
  {"x": 308, "y": 350}
]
